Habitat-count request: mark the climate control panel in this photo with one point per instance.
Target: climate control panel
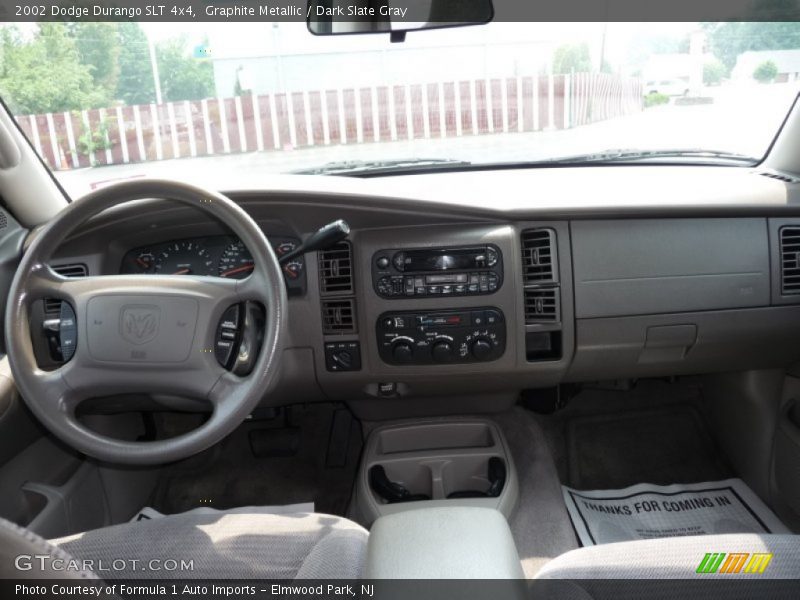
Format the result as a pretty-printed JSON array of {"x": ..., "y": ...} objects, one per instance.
[{"x": 440, "y": 337}]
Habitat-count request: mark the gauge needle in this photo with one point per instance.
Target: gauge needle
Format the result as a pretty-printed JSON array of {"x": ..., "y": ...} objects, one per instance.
[
  {"x": 241, "y": 269},
  {"x": 142, "y": 263},
  {"x": 184, "y": 271}
]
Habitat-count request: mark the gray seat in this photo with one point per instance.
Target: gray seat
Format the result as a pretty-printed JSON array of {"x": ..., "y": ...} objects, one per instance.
[
  {"x": 676, "y": 558},
  {"x": 221, "y": 545}
]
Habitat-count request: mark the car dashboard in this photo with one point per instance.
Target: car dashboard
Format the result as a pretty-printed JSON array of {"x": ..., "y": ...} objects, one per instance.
[{"x": 442, "y": 295}]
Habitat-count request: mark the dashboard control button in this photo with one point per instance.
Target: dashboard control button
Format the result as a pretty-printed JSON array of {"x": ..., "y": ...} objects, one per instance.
[
  {"x": 343, "y": 356},
  {"x": 399, "y": 261},
  {"x": 224, "y": 351},
  {"x": 478, "y": 318},
  {"x": 442, "y": 350},
  {"x": 493, "y": 317},
  {"x": 230, "y": 318},
  {"x": 68, "y": 332},
  {"x": 402, "y": 351},
  {"x": 481, "y": 348},
  {"x": 382, "y": 262}
]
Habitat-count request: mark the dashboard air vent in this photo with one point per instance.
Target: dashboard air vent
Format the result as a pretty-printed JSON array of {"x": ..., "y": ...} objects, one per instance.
[
  {"x": 338, "y": 316},
  {"x": 790, "y": 260},
  {"x": 336, "y": 269},
  {"x": 53, "y": 306},
  {"x": 541, "y": 305},
  {"x": 780, "y": 176},
  {"x": 537, "y": 255}
]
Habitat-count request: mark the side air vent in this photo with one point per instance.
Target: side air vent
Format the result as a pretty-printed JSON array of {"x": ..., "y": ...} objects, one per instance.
[
  {"x": 790, "y": 260},
  {"x": 780, "y": 176},
  {"x": 338, "y": 316},
  {"x": 336, "y": 269},
  {"x": 77, "y": 270},
  {"x": 537, "y": 255},
  {"x": 541, "y": 306},
  {"x": 53, "y": 306}
]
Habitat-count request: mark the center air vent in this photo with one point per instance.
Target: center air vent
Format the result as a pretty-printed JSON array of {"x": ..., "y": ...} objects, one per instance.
[
  {"x": 338, "y": 316},
  {"x": 790, "y": 260},
  {"x": 537, "y": 255},
  {"x": 336, "y": 269},
  {"x": 53, "y": 306}
]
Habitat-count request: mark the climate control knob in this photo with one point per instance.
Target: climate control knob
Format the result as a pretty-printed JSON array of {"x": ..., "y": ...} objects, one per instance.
[
  {"x": 442, "y": 350},
  {"x": 481, "y": 348},
  {"x": 402, "y": 351}
]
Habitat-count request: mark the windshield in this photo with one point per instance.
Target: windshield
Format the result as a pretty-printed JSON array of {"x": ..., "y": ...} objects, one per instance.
[{"x": 102, "y": 102}]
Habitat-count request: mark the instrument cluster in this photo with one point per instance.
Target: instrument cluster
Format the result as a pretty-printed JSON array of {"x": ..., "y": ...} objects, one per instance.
[{"x": 214, "y": 256}]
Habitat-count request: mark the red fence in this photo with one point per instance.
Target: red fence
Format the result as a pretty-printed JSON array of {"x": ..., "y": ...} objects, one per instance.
[{"x": 284, "y": 121}]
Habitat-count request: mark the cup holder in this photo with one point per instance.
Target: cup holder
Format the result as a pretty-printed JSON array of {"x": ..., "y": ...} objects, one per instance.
[
  {"x": 474, "y": 485},
  {"x": 464, "y": 477},
  {"x": 436, "y": 462}
]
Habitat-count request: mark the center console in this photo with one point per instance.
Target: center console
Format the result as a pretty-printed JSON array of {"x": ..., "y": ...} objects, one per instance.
[{"x": 435, "y": 462}]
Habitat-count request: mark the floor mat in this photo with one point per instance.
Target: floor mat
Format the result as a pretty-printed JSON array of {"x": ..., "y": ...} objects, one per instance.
[
  {"x": 310, "y": 456},
  {"x": 661, "y": 446},
  {"x": 644, "y": 511}
]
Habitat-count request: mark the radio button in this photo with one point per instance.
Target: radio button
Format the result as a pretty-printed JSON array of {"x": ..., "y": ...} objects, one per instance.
[
  {"x": 447, "y": 289},
  {"x": 460, "y": 289},
  {"x": 478, "y": 318},
  {"x": 434, "y": 289},
  {"x": 382, "y": 262},
  {"x": 473, "y": 288},
  {"x": 491, "y": 256},
  {"x": 399, "y": 261}
]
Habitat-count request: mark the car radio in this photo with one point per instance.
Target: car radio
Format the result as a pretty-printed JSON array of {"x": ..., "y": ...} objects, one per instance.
[
  {"x": 448, "y": 336},
  {"x": 462, "y": 271}
]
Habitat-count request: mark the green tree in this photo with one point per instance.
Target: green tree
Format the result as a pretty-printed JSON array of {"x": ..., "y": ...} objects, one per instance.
[
  {"x": 765, "y": 72},
  {"x": 729, "y": 40},
  {"x": 44, "y": 73},
  {"x": 183, "y": 77},
  {"x": 714, "y": 72},
  {"x": 98, "y": 47},
  {"x": 135, "y": 82},
  {"x": 572, "y": 57}
]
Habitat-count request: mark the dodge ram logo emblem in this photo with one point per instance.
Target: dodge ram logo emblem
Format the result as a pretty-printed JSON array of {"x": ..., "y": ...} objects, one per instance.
[{"x": 139, "y": 324}]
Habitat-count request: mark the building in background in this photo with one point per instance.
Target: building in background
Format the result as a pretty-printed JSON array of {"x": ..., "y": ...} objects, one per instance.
[{"x": 787, "y": 62}]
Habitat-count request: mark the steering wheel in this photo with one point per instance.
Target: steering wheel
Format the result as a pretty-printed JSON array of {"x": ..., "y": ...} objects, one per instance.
[{"x": 144, "y": 333}]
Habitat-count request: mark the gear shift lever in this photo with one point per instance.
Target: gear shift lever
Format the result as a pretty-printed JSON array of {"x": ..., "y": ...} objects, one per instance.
[{"x": 323, "y": 238}]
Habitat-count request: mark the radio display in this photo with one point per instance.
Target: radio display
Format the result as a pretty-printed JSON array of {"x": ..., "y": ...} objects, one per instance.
[{"x": 449, "y": 260}]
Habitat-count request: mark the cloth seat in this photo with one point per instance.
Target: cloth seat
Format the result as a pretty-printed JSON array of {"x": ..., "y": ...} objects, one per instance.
[
  {"x": 677, "y": 558},
  {"x": 221, "y": 545}
]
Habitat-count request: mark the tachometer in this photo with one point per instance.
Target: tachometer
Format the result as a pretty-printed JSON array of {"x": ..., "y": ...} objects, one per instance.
[
  {"x": 184, "y": 258},
  {"x": 236, "y": 261}
]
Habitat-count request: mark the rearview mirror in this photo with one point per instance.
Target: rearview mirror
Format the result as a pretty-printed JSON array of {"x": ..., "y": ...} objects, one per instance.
[{"x": 335, "y": 17}]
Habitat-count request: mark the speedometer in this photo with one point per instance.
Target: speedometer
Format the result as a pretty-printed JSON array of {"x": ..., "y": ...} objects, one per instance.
[
  {"x": 236, "y": 261},
  {"x": 184, "y": 258}
]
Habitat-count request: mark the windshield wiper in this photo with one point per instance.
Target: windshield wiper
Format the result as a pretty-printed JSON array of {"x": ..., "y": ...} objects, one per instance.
[
  {"x": 380, "y": 167},
  {"x": 676, "y": 155}
]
